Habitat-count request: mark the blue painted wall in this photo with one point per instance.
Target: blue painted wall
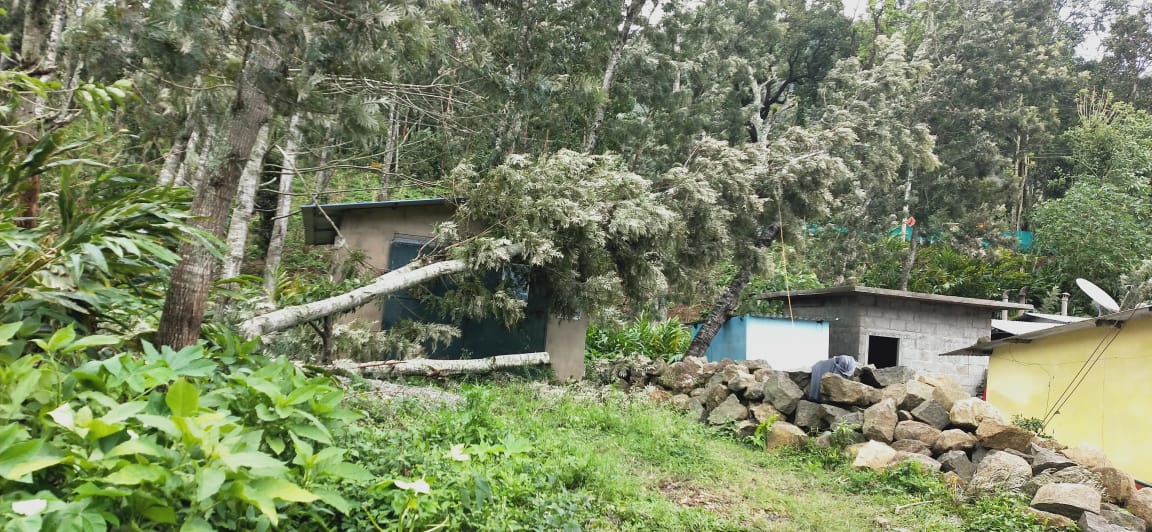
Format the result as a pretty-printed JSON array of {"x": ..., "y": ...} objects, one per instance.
[{"x": 785, "y": 344}]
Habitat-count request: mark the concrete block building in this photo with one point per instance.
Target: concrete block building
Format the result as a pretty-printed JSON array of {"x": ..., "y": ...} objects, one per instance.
[
  {"x": 391, "y": 234},
  {"x": 888, "y": 328}
]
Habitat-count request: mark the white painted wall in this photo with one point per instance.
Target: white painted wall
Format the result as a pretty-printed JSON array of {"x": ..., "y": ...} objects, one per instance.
[{"x": 786, "y": 344}]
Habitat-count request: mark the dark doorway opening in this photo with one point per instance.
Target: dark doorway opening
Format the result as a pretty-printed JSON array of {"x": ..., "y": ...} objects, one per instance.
[{"x": 883, "y": 351}]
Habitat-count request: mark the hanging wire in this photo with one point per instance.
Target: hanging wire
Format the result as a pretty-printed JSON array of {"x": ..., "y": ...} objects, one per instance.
[{"x": 1085, "y": 369}]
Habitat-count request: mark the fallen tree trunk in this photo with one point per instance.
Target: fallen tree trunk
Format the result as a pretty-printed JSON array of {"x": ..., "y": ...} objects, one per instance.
[
  {"x": 431, "y": 367},
  {"x": 388, "y": 283}
]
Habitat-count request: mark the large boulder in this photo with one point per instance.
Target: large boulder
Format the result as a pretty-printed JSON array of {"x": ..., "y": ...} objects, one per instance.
[
  {"x": 1120, "y": 517},
  {"x": 1140, "y": 504},
  {"x": 1044, "y": 459},
  {"x": 745, "y": 429},
  {"x": 932, "y": 413},
  {"x": 925, "y": 462},
  {"x": 912, "y": 447},
  {"x": 957, "y": 462},
  {"x": 999, "y": 471},
  {"x": 969, "y": 413},
  {"x": 915, "y": 392},
  {"x": 802, "y": 378},
  {"x": 872, "y": 455},
  {"x": 953, "y": 440},
  {"x": 1050, "y": 520},
  {"x": 880, "y": 421},
  {"x": 885, "y": 377},
  {"x": 835, "y": 416},
  {"x": 939, "y": 381},
  {"x": 1087, "y": 455},
  {"x": 1118, "y": 485},
  {"x": 714, "y": 394},
  {"x": 1069, "y": 500},
  {"x": 727, "y": 412},
  {"x": 808, "y": 415},
  {"x": 1090, "y": 522},
  {"x": 949, "y": 396},
  {"x": 764, "y": 412},
  {"x": 689, "y": 405},
  {"x": 682, "y": 376},
  {"x": 996, "y": 435},
  {"x": 1069, "y": 475},
  {"x": 781, "y": 392},
  {"x": 915, "y": 430},
  {"x": 742, "y": 382},
  {"x": 895, "y": 392},
  {"x": 784, "y": 434},
  {"x": 837, "y": 389}
]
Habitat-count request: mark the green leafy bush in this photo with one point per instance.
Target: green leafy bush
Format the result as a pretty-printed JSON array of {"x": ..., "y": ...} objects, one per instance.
[
  {"x": 1031, "y": 424},
  {"x": 202, "y": 437},
  {"x": 666, "y": 340},
  {"x": 1001, "y": 513}
]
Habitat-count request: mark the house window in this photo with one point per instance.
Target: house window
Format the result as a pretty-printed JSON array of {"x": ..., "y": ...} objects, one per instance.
[{"x": 883, "y": 351}]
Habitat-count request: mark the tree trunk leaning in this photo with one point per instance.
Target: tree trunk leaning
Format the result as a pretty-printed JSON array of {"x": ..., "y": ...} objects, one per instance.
[
  {"x": 630, "y": 13},
  {"x": 283, "y": 208},
  {"x": 187, "y": 297},
  {"x": 432, "y": 367},
  {"x": 727, "y": 302},
  {"x": 388, "y": 283},
  {"x": 245, "y": 204}
]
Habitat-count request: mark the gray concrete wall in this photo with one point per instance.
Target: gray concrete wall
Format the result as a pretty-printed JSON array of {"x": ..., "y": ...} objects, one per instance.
[
  {"x": 564, "y": 342},
  {"x": 371, "y": 232},
  {"x": 925, "y": 330}
]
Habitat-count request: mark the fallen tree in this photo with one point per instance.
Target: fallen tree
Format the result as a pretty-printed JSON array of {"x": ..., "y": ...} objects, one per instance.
[
  {"x": 434, "y": 367},
  {"x": 391, "y": 282}
]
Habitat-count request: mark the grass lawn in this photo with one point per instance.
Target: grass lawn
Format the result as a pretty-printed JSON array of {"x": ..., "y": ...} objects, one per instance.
[{"x": 521, "y": 456}]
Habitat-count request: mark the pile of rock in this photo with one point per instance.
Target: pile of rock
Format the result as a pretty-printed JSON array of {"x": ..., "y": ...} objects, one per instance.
[{"x": 895, "y": 415}]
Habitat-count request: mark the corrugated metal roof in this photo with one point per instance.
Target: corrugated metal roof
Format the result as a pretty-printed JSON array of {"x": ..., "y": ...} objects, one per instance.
[
  {"x": 898, "y": 294},
  {"x": 1110, "y": 320},
  {"x": 318, "y": 230},
  {"x": 1021, "y": 327},
  {"x": 1051, "y": 318}
]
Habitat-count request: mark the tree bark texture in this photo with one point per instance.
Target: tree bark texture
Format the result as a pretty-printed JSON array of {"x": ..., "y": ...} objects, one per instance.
[
  {"x": 187, "y": 297},
  {"x": 728, "y": 299},
  {"x": 245, "y": 203},
  {"x": 388, "y": 283},
  {"x": 175, "y": 156},
  {"x": 630, "y": 13},
  {"x": 38, "y": 21},
  {"x": 191, "y": 147},
  {"x": 910, "y": 260},
  {"x": 432, "y": 368},
  {"x": 283, "y": 207}
]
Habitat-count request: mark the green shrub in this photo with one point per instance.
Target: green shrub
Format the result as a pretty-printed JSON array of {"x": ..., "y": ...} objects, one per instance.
[
  {"x": 1031, "y": 424},
  {"x": 666, "y": 340},
  {"x": 202, "y": 437},
  {"x": 1001, "y": 513},
  {"x": 907, "y": 478}
]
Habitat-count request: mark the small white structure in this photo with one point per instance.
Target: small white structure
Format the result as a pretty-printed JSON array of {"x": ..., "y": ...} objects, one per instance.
[{"x": 783, "y": 343}]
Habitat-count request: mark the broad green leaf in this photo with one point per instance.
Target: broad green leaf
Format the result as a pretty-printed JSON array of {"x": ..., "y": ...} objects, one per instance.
[
  {"x": 161, "y": 514},
  {"x": 64, "y": 416},
  {"x": 89, "y": 489},
  {"x": 196, "y": 524},
  {"x": 349, "y": 471},
  {"x": 124, "y": 411},
  {"x": 208, "y": 482},
  {"x": 256, "y": 461},
  {"x": 137, "y": 446},
  {"x": 25, "y": 458},
  {"x": 182, "y": 398},
  {"x": 161, "y": 423},
  {"x": 7, "y": 331},
  {"x": 134, "y": 474},
  {"x": 97, "y": 340},
  {"x": 334, "y": 499},
  {"x": 278, "y": 488},
  {"x": 60, "y": 339}
]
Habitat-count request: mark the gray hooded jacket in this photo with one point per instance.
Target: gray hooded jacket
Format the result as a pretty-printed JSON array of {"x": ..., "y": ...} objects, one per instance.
[{"x": 842, "y": 365}]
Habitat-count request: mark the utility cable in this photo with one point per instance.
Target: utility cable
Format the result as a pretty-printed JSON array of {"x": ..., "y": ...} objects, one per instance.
[{"x": 1085, "y": 369}]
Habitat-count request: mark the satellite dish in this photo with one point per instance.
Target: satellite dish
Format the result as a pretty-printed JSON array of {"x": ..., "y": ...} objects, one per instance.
[{"x": 1098, "y": 295}]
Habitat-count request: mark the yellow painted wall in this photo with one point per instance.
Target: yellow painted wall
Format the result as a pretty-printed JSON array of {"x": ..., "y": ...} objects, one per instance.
[{"x": 1112, "y": 406}]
